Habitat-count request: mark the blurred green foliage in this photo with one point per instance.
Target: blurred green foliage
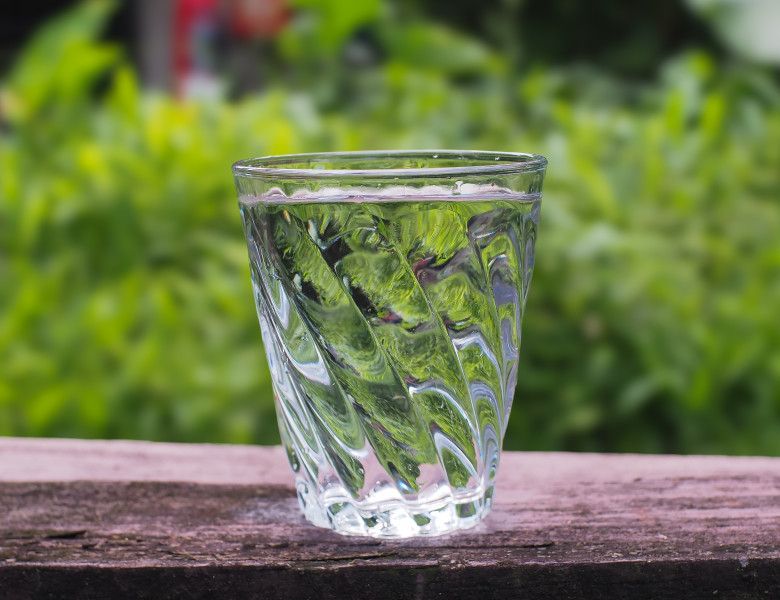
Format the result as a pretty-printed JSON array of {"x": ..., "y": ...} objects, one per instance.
[{"x": 124, "y": 284}]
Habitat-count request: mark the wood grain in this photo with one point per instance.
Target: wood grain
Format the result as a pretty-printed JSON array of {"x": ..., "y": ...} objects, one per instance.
[{"x": 97, "y": 519}]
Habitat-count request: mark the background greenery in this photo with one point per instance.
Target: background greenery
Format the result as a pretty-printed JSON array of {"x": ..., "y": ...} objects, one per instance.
[{"x": 652, "y": 324}]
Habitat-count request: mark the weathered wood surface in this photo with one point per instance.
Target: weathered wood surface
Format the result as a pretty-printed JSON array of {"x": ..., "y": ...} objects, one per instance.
[{"x": 95, "y": 519}]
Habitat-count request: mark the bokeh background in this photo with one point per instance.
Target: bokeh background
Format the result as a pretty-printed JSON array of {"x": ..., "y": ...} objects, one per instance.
[{"x": 653, "y": 323}]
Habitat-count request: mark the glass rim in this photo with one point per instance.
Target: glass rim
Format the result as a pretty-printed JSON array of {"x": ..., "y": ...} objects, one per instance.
[{"x": 272, "y": 167}]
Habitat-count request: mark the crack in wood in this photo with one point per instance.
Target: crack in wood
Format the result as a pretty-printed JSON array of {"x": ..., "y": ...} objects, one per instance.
[
  {"x": 540, "y": 545},
  {"x": 66, "y": 535}
]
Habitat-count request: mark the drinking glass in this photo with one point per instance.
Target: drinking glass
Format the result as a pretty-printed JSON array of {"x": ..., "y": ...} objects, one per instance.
[{"x": 390, "y": 288}]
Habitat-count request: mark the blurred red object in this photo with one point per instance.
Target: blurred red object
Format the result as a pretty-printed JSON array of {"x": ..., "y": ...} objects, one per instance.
[
  {"x": 189, "y": 16},
  {"x": 257, "y": 18},
  {"x": 203, "y": 30},
  {"x": 195, "y": 27}
]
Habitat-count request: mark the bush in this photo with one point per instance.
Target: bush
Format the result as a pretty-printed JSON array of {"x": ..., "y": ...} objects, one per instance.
[{"x": 124, "y": 289}]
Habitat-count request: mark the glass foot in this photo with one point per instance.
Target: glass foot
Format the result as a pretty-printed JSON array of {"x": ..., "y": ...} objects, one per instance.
[{"x": 395, "y": 520}]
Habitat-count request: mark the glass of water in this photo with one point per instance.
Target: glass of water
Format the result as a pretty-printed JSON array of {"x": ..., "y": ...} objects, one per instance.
[{"x": 390, "y": 288}]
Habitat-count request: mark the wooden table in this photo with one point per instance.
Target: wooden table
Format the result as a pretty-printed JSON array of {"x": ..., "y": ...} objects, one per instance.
[{"x": 119, "y": 519}]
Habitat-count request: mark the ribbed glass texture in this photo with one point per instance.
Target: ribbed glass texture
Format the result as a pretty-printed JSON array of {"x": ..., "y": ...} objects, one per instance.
[{"x": 390, "y": 289}]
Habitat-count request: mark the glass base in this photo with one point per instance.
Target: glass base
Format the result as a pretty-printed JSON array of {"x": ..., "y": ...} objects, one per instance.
[{"x": 397, "y": 519}]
